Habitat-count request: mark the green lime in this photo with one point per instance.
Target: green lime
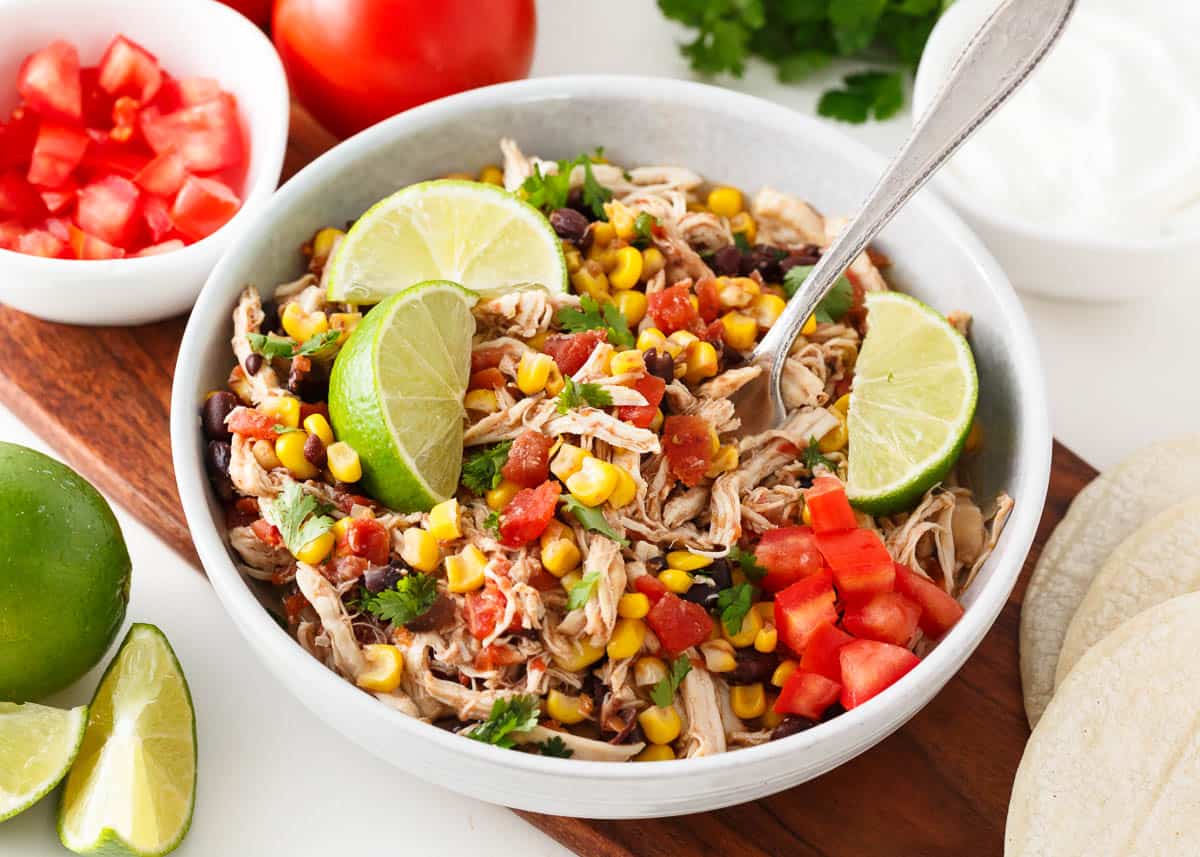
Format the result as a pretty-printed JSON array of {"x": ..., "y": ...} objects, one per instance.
[
  {"x": 133, "y": 786},
  {"x": 396, "y": 393},
  {"x": 915, "y": 390},
  {"x": 475, "y": 234},
  {"x": 64, "y": 575},
  {"x": 37, "y": 746}
]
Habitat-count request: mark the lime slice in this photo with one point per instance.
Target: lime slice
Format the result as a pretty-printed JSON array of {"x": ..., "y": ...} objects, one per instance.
[
  {"x": 134, "y": 785},
  {"x": 37, "y": 746},
  {"x": 396, "y": 394},
  {"x": 475, "y": 234},
  {"x": 914, "y": 397}
]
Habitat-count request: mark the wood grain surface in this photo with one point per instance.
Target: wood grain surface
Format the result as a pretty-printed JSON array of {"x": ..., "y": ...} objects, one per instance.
[{"x": 939, "y": 786}]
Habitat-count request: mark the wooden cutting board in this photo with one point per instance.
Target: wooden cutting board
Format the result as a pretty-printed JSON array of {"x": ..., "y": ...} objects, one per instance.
[{"x": 939, "y": 786}]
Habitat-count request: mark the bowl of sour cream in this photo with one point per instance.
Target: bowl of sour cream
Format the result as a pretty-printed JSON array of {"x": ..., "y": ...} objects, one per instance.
[{"x": 1087, "y": 183}]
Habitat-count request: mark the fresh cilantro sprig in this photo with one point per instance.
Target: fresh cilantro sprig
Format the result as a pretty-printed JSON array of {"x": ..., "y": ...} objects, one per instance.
[
  {"x": 271, "y": 346},
  {"x": 592, "y": 519},
  {"x": 550, "y": 191},
  {"x": 643, "y": 230},
  {"x": 594, "y": 316},
  {"x": 869, "y": 93},
  {"x": 734, "y": 603},
  {"x": 576, "y": 395},
  {"x": 580, "y": 593},
  {"x": 492, "y": 522},
  {"x": 555, "y": 747},
  {"x": 747, "y": 562},
  {"x": 594, "y": 193},
  {"x": 297, "y": 515},
  {"x": 833, "y": 306},
  {"x": 410, "y": 599},
  {"x": 813, "y": 457},
  {"x": 481, "y": 472},
  {"x": 663, "y": 693},
  {"x": 514, "y": 714}
]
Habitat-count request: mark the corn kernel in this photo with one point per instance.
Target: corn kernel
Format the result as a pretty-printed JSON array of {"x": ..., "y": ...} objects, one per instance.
[
  {"x": 538, "y": 341},
  {"x": 694, "y": 300},
  {"x": 766, "y": 640},
  {"x": 628, "y": 270},
  {"x": 568, "y": 461},
  {"x": 583, "y": 654},
  {"x": 660, "y": 725},
  {"x": 649, "y": 670},
  {"x": 766, "y": 309},
  {"x": 806, "y": 516},
  {"x": 696, "y": 206},
  {"x": 497, "y": 498},
  {"x": 621, "y": 219},
  {"x": 464, "y": 571},
  {"x": 602, "y": 233},
  {"x": 318, "y": 425},
  {"x": 420, "y": 549},
  {"x": 492, "y": 174},
  {"x": 680, "y": 341},
  {"x": 627, "y": 362},
  {"x": 632, "y": 305},
  {"x": 570, "y": 579},
  {"x": 285, "y": 409},
  {"x": 591, "y": 280},
  {"x": 783, "y": 672},
  {"x": 771, "y": 718},
  {"x": 633, "y": 605},
  {"x": 343, "y": 462},
  {"x": 443, "y": 521},
  {"x": 702, "y": 362},
  {"x": 346, "y": 322},
  {"x": 651, "y": 337},
  {"x": 627, "y": 638},
  {"x": 555, "y": 530},
  {"x": 675, "y": 580},
  {"x": 289, "y": 449},
  {"x": 605, "y": 257},
  {"x": 725, "y": 201},
  {"x": 653, "y": 261},
  {"x": 655, "y": 753},
  {"x": 626, "y": 489},
  {"x": 714, "y": 440},
  {"x": 560, "y": 556},
  {"x": 316, "y": 550},
  {"x": 481, "y": 401},
  {"x": 300, "y": 325},
  {"x": 718, "y": 656},
  {"x": 751, "y": 624},
  {"x": 724, "y": 461},
  {"x": 264, "y": 454},
  {"x": 573, "y": 257},
  {"x": 567, "y": 710},
  {"x": 555, "y": 383},
  {"x": 742, "y": 222},
  {"x": 594, "y": 482},
  {"x": 766, "y": 611},
  {"x": 748, "y": 700},
  {"x": 341, "y": 529},
  {"x": 974, "y": 437},
  {"x": 533, "y": 372},
  {"x": 736, "y": 292},
  {"x": 837, "y": 437},
  {"x": 385, "y": 666},
  {"x": 656, "y": 423},
  {"x": 810, "y": 326},
  {"x": 323, "y": 242},
  {"x": 688, "y": 561},
  {"x": 842, "y": 405},
  {"x": 741, "y": 331}
]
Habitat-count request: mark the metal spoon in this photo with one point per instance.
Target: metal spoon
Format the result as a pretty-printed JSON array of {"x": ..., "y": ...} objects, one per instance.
[{"x": 1000, "y": 57}]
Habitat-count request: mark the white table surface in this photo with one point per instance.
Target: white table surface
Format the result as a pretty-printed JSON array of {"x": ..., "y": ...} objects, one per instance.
[{"x": 274, "y": 781}]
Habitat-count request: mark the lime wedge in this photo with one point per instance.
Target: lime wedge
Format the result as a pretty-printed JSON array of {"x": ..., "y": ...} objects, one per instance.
[
  {"x": 475, "y": 234},
  {"x": 914, "y": 396},
  {"x": 37, "y": 746},
  {"x": 396, "y": 394},
  {"x": 134, "y": 784}
]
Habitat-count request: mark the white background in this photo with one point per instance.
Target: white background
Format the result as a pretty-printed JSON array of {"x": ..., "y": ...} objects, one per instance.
[{"x": 274, "y": 781}]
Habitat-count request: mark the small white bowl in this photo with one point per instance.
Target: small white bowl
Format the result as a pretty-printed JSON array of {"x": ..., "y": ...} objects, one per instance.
[
  {"x": 1047, "y": 260},
  {"x": 189, "y": 37}
]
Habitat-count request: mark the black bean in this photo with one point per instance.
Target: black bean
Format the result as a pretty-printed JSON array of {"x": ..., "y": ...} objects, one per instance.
[
  {"x": 720, "y": 572},
  {"x": 381, "y": 577},
  {"x": 804, "y": 258},
  {"x": 791, "y": 725},
  {"x": 752, "y": 667},
  {"x": 575, "y": 201},
  {"x": 569, "y": 224},
  {"x": 254, "y": 362},
  {"x": 832, "y": 712},
  {"x": 633, "y": 735},
  {"x": 270, "y": 316},
  {"x": 217, "y": 460},
  {"x": 314, "y": 450},
  {"x": 702, "y": 591},
  {"x": 660, "y": 364},
  {"x": 217, "y": 408},
  {"x": 442, "y": 615},
  {"x": 727, "y": 261},
  {"x": 764, "y": 259}
]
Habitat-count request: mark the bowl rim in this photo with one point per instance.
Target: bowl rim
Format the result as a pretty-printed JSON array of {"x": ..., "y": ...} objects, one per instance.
[
  {"x": 270, "y": 151},
  {"x": 926, "y": 86},
  {"x": 878, "y": 716}
]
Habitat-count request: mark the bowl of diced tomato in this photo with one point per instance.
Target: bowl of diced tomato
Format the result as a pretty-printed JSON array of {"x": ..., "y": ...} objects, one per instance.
[{"x": 136, "y": 139}]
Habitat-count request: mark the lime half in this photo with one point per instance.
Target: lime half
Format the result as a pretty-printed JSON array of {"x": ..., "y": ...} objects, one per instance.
[
  {"x": 396, "y": 394},
  {"x": 134, "y": 784},
  {"x": 475, "y": 234},
  {"x": 914, "y": 396},
  {"x": 37, "y": 746}
]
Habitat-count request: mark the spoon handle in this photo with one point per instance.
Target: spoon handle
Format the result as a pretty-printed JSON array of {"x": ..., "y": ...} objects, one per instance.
[{"x": 994, "y": 65}]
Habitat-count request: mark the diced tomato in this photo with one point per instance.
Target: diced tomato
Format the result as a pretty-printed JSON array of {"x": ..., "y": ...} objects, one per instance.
[
  {"x": 714, "y": 333},
  {"x": 788, "y": 554},
  {"x": 542, "y": 580},
  {"x": 164, "y": 175},
  {"x": 486, "y": 358},
  {"x": 129, "y": 69},
  {"x": 528, "y": 514},
  {"x": 197, "y": 90},
  {"x": 16, "y": 140},
  {"x": 939, "y": 610},
  {"x": 60, "y": 199},
  {"x": 307, "y": 409},
  {"x": 497, "y": 655},
  {"x": 87, "y": 246},
  {"x": 293, "y": 606},
  {"x": 108, "y": 209},
  {"x": 678, "y": 624},
  {"x": 672, "y": 310},
  {"x": 40, "y": 242},
  {"x": 157, "y": 216},
  {"x": 807, "y": 694},
  {"x": 57, "y": 152},
  {"x": 203, "y": 206},
  {"x": 870, "y": 667},
  {"x": 158, "y": 249},
  {"x": 106, "y": 157},
  {"x": 821, "y": 654},
  {"x": 528, "y": 462},
  {"x": 888, "y": 617},
  {"x": 59, "y": 228},
  {"x": 19, "y": 199},
  {"x": 652, "y": 388},
  {"x": 651, "y": 587},
  {"x": 251, "y": 423},
  {"x": 802, "y": 607},
  {"x": 342, "y": 569},
  {"x": 861, "y": 564},
  {"x": 485, "y": 608},
  {"x": 267, "y": 532},
  {"x": 687, "y": 442},
  {"x": 571, "y": 350},
  {"x": 207, "y": 136},
  {"x": 709, "y": 299},
  {"x": 369, "y": 539},
  {"x": 10, "y": 234},
  {"x": 827, "y": 503},
  {"x": 49, "y": 82},
  {"x": 487, "y": 379}
]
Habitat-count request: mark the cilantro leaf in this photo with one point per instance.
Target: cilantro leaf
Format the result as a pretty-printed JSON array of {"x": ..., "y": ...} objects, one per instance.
[
  {"x": 877, "y": 93},
  {"x": 813, "y": 457},
  {"x": 547, "y": 192},
  {"x": 663, "y": 693},
  {"x": 740, "y": 241},
  {"x": 580, "y": 593},
  {"x": 594, "y": 193},
  {"x": 594, "y": 316},
  {"x": 855, "y": 23},
  {"x": 271, "y": 346},
  {"x": 492, "y": 522},
  {"x": 592, "y": 519},
  {"x": 734, "y": 603},
  {"x": 297, "y": 515},
  {"x": 555, "y": 747},
  {"x": 410, "y": 599},
  {"x": 481, "y": 472},
  {"x": 747, "y": 562},
  {"x": 514, "y": 714},
  {"x": 575, "y": 395},
  {"x": 643, "y": 230},
  {"x": 833, "y": 306}
]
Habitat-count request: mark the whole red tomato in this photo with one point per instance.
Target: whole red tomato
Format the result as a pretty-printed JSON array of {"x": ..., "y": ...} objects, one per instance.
[
  {"x": 258, "y": 11},
  {"x": 353, "y": 63}
]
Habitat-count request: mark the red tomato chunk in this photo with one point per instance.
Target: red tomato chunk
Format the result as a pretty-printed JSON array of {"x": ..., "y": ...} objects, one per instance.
[
  {"x": 807, "y": 694},
  {"x": 870, "y": 667},
  {"x": 827, "y": 503},
  {"x": 368, "y": 539},
  {"x": 651, "y": 587},
  {"x": 252, "y": 423},
  {"x": 528, "y": 462},
  {"x": 672, "y": 310},
  {"x": 678, "y": 624},
  {"x": 49, "y": 82},
  {"x": 803, "y": 607},
  {"x": 860, "y": 562},
  {"x": 687, "y": 442},
  {"x": 571, "y": 350},
  {"x": 939, "y": 610},
  {"x": 485, "y": 608},
  {"x": 652, "y": 389},
  {"x": 888, "y": 617},
  {"x": 821, "y": 654},
  {"x": 528, "y": 514},
  {"x": 202, "y": 207},
  {"x": 788, "y": 554}
]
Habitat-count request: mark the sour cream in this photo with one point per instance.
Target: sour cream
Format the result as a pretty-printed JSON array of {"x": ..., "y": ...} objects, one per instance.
[{"x": 1104, "y": 139}]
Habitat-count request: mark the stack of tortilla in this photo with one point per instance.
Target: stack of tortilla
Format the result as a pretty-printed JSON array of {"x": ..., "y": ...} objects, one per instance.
[{"x": 1110, "y": 667}]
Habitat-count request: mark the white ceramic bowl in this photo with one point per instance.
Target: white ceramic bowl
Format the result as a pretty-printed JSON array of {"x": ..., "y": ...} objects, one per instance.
[
  {"x": 1051, "y": 261},
  {"x": 189, "y": 37},
  {"x": 725, "y": 136}
]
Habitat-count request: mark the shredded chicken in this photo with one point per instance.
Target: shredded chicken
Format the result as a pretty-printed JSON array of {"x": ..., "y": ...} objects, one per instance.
[{"x": 705, "y": 735}]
